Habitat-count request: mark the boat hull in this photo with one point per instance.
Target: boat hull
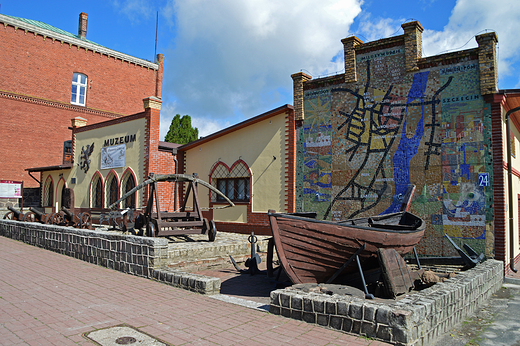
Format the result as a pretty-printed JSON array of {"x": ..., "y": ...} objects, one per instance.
[{"x": 311, "y": 251}]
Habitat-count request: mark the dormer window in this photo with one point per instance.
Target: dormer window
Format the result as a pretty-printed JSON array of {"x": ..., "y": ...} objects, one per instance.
[{"x": 79, "y": 89}]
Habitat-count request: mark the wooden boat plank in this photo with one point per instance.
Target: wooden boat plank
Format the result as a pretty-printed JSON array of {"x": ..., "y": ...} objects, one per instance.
[{"x": 312, "y": 250}]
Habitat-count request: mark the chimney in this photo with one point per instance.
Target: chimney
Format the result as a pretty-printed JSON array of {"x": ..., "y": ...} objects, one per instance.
[
  {"x": 349, "y": 52},
  {"x": 487, "y": 61},
  {"x": 82, "y": 27},
  {"x": 298, "y": 80},
  {"x": 78, "y": 122},
  {"x": 412, "y": 44}
]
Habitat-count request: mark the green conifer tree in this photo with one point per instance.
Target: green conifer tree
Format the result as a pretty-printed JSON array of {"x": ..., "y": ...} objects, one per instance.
[{"x": 181, "y": 131}]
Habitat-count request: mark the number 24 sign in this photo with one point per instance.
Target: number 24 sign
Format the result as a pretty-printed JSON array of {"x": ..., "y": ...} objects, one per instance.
[{"x": 483, "y": 179}]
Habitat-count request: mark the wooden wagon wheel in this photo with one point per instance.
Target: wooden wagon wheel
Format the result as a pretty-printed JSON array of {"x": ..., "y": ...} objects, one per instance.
[
  {"x": 212, "y": 231},
  {"x": 151, "y": 229},
  {"x": 85, "y": 221},
  {"x": 9, "y": 216},
  {"x": 47, "y": 219},
  {"x": 57, "y": 219},
  {"x": 209, "y": 228},
  {"x": 29, "y": 217}
]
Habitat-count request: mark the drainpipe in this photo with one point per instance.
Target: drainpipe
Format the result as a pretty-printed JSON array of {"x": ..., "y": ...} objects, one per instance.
[
  {"x": 174, "y": 153},
  {"x": 510, "y": 188}
]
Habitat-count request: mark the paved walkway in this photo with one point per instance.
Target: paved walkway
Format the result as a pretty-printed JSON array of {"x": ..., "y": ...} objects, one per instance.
[
  {"x": 50, "y": 299},
  {"x": 495, "y": 323}
]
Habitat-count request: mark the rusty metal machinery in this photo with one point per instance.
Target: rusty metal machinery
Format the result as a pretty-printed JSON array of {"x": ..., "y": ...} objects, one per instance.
[
  {"x": 122, "y": 220},
  {"x": 35, "y": 215},
  {"x": 14, "y": 214},
  {"x": 65, "y": 217},
  {"x": 82, "y": 220}
]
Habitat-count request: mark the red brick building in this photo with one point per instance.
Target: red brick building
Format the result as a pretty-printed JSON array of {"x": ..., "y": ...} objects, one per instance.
[{"x": 50, "y": 76}]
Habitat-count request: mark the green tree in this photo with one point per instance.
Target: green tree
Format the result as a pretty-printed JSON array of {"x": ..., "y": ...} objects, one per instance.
[{"x": 181, "y": 131}]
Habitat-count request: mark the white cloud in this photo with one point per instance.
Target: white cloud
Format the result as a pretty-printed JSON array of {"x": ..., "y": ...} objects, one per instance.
[
  {"x": 229, "y": 60},
  {"x": 472, "y": 17},
  {"x": 209, "y": 126},
  {"x": 135, "y": 9},
  {"x": 168, "y": 111},
  {"x": 231, "y": 56},
  {"x": 375, "y": 29}
]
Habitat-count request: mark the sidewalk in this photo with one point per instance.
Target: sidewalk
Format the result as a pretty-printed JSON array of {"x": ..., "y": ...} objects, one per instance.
[
  {"x": 50, "y": 299},
  {"x": 495, "y": 323}
]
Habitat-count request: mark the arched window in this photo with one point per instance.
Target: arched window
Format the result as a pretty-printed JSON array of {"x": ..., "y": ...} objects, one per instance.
[
  {"x": 235, "y": 183},
  {"x": 96, "y": 190},
  {"x": 127, "y": 184},
  {"x": 48, "y": 192},
  {"x": 78, "y": 95},
  {"x": 112, "y": 188}
]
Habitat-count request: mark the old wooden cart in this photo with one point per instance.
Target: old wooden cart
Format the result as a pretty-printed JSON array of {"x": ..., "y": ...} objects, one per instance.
[{"x": 187, "y": 220}]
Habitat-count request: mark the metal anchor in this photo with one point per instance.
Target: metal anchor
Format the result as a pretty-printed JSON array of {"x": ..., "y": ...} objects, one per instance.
[{"x": 252, "y": 262}]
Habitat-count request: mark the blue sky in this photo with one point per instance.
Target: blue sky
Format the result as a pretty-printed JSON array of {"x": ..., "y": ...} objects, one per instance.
[{"x": 230, "y": 60}]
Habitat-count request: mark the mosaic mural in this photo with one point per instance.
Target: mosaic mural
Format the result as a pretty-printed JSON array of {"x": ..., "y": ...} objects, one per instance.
[{"x": 362, "y": 145}]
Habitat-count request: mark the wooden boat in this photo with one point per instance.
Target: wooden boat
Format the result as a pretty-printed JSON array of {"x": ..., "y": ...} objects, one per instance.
[{"x": 312, "y": 251}]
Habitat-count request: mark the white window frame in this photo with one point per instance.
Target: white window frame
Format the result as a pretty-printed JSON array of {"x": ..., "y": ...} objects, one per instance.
[{"x": 77, "y": 87}]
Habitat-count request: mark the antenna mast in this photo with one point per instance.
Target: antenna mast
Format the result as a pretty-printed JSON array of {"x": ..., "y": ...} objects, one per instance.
[{"x": 156, "y": 28}]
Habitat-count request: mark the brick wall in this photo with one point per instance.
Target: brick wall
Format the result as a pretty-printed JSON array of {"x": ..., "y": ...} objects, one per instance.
[
  {"x": 39, "y": 66},
  {"x": 35, "y": 90},
  {"x": 33, "y": 134}
]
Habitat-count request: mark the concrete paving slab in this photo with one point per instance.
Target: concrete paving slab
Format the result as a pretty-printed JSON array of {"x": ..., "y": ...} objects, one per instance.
[{"x": 122, "y": 335}]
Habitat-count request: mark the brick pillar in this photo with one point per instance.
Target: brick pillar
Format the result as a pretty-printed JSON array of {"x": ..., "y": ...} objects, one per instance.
[
  {"x": 76, "y": 122},
  {"x": 412, "y": 44},
  {"x": 290, "y": 163},
  {"x": 349, "y": 45},
  {"x": 152, "y": 110},
  {"x": 487, "y": 62},
  {"x": 159, "y": 79},
  {"x": 298, "y": 80},
  {"x": 82, "y": 27},
  {"x": 498, "y": 140}
]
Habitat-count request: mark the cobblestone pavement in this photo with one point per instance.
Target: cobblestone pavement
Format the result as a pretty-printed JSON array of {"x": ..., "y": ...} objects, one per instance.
[{"x": 50, "y": 299}]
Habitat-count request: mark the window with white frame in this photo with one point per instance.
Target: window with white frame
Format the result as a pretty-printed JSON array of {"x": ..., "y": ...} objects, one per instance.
[{"x": 78, "y": 95}]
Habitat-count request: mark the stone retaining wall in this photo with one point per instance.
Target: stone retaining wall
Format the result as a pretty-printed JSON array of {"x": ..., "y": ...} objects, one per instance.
[
  {"x": 417, "y": 319},
  {"x": 136, "y": 255}
]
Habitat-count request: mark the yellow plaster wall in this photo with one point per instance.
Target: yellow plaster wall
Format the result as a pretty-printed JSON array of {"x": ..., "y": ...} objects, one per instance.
[
  {"x": 257, "y": 145},
  {"x": 237, "y": 213},
  {"x": 57, "y": 185},
  {"x": 134, "y": 158}
]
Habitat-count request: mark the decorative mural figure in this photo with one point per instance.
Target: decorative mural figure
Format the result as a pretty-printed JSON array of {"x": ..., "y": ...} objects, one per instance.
[
  {"x": 84, "y": 163},
  {"x": 372, "y": 129},
  {"x": 317, "y": 148},
  {"x": 367, "y": 134},
  {"x": 364, "y": 142}
]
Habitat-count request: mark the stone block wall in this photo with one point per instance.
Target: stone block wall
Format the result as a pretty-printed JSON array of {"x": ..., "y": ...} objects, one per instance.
[
  {"x": 141, "y": 256},
  {"x": 417, "y": 319}
]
